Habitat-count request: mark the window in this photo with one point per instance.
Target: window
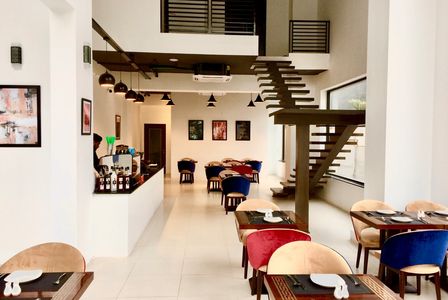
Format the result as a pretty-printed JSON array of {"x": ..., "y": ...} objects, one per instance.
[{"x": 351, "y": 96}]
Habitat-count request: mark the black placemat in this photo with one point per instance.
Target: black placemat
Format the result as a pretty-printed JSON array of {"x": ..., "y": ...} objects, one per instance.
[
  {"x": 44, "y": 283},
  {"x": 378, "y": 215},
  {"x": 258, "y": 218},
  {"x": 434, "y": 214},
  {"x": 311, "y": 288},
  {"x": 388, "y": 218},
  {"x": 20, "y": 298}
]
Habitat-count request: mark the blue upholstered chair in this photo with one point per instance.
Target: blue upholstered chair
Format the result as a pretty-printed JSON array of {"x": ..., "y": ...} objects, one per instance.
[
  {"x": 234, "y": 191},
  {"x": 256, "y": 168},
  {"x": 420, "y": 252},
  {"x": 213, "y": 180},
  {"x": 186, "y": 170}
]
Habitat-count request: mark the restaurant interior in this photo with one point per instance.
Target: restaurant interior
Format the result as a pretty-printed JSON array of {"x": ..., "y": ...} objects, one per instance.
[{"x": 251, "y": 149}]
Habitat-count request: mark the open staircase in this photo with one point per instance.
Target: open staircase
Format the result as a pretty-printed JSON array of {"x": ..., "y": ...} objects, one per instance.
[{"x": 282, "y": 85}]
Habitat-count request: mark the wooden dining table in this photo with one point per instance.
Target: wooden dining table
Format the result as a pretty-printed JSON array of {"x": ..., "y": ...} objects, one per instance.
[
  {"x": 255, "y": 220},
  {"x": 281, "y": 287},
  {"x": 71, "y": 287},
  {"x": 388, "y": 227}
]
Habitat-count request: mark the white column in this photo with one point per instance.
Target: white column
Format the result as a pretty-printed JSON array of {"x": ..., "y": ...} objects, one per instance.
[{"x": 400, "y": 100}]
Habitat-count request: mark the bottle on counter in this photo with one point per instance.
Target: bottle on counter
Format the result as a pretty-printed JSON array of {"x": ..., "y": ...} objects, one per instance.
[
  {"x": 107, "y": 182},
  {"x": 113, "y": 181}
]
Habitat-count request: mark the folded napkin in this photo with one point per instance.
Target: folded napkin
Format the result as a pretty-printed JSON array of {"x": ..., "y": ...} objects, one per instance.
[{"x": 310, "y": 288}]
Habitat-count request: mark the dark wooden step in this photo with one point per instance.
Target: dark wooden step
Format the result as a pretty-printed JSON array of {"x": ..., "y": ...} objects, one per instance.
[
  {"x": 324, "y": 158},
  {"x": 297, "y": 99},
  {"x": 331, "y": 143},
  {"x": 296, "y": 106},
  {"x": 312, "y": 165},
  {"x": 332, "y": 134},
  {"x": 276, "y": 90},
  {"x": 288, "y": 185},
  {"x": 279, "y": 192}
]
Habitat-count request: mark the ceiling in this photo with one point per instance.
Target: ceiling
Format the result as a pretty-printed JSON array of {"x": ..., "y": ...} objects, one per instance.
[{"x": 160, "y": 62}]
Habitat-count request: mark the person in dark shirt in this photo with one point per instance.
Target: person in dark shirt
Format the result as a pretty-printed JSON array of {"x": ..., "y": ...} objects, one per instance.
[{"x": 96, "y": 143}]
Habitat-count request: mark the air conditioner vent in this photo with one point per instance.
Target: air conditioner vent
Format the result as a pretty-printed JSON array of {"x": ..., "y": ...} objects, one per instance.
[{"x": 211, "y": 72}]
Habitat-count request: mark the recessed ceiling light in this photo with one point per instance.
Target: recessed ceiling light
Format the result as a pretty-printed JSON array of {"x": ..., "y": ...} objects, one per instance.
[{"x": 174, "y": 60}]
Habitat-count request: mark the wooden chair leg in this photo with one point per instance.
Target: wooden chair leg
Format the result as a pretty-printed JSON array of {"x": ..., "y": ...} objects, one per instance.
[
  {"x": 246, "y": 265},
  {"x": 242, "y": 259},
  {"x": 253, "y": 287},
  {"x": 259, "y": 284},
  {"x": 437, "y": 283},
  {"x": 358, "y": 255},
  {"x": 419, "y": 284},
  {"x": 366, "y": 259},
  {"x": 381, "y": 270},
  {"x": 402, "y": 278}
]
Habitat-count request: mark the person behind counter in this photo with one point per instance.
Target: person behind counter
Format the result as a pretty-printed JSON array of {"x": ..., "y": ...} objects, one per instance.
[{"x": 96, "y": 143}]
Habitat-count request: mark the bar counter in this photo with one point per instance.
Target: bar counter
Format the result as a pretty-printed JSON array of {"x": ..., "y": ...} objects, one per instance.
[{"x": 118, "y": 219}]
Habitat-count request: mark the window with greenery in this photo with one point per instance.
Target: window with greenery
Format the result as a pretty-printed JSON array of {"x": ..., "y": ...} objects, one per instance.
[{"x": 351, "y": 96}]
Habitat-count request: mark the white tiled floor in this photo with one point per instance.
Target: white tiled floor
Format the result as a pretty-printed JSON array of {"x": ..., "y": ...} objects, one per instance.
[{"x": 190, "y": 251}]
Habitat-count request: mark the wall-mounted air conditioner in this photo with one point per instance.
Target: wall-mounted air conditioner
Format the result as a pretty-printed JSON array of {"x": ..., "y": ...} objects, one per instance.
[{"x": 209, "y": 72}]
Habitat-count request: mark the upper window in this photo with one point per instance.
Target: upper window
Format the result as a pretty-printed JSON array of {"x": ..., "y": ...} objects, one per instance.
[{"x": 209, "y": 16}]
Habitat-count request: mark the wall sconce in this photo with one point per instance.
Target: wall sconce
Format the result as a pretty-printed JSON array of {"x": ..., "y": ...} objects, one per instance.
[
  {"x": 86, "y": 54},
  {"x": 16, "y": 55}
]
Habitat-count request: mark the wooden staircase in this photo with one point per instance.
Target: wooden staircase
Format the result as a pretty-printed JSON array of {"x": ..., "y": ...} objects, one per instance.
[
  {"x": 282, "y": 84},
  {"x": 321, "y": 160}
]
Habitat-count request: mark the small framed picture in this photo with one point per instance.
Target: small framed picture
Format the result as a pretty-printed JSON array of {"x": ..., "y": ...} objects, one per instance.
[
  {"x": 242, "y": 130},
  {"x": 196, "y": 130},
  {"x": 20, "y": 116},
  {"x": 86, "y": 117},
  {"x": 219, "y": 130},
  {"x": 117, "y": 127}
]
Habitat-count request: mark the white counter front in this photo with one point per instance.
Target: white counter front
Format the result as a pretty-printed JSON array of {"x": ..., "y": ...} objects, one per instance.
[{"x": 118, "y": 220}]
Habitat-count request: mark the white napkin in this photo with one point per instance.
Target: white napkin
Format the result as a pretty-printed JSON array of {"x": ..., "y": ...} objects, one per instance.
[{"x": 341, "y": 290}]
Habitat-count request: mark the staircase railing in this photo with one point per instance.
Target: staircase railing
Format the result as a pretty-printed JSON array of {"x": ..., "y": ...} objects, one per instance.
[{"x": 309, "y": 36}]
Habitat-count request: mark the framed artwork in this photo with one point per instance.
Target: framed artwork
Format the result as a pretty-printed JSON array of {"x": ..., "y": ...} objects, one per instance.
[
  {"x": 219, "y": 130},
  {"x": 242, "y": 130},
  {"x": 117, "y": 127},
  {"x": 86, "y": 117},
  {"x": 196, "y": 130},
  {"x": 20, "y": 123}
]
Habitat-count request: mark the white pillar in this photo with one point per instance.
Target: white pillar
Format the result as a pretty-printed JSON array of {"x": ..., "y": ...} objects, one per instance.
[{"x": 400, "y": 100}]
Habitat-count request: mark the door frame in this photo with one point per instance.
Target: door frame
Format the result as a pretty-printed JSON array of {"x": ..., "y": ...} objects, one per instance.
[{"x": 147, "y": 127}]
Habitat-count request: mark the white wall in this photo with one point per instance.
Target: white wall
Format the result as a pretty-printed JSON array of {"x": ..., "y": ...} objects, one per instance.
[
  {"x": 135, "y": 26},
  {"x": 277, "y": 27},
  {"x": 439, "y": 190},
  {"x": 305, "y": 9},
  {"x": 46, "y": 190},
  {"x": 230, "y": 107}
]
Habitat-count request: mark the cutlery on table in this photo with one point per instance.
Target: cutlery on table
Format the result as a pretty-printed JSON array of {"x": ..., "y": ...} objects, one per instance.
[
  {"x": 295, "y": 282},
  {"x": 57, "y": 281},
  {"x": 2, "y": 274},
  {"x": 355, "y": 282}
]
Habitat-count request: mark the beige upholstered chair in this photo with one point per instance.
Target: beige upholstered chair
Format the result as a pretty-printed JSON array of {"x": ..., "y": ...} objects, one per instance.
[
  {"x": 227, "y": 159},
  {"x": 424, "y": 205},
  {"x": 367, "y": 237},
  {"x": 248, "y": 205},
  {"x": 50, "y": 257},
  {"x": 306, "y": 257},
  {"x": 214, "y": 163},
  {"x": 189, "y": 159}
]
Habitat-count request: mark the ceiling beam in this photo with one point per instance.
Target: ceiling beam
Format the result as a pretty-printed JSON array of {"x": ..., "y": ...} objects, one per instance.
[{"x": 129, "y": 60}]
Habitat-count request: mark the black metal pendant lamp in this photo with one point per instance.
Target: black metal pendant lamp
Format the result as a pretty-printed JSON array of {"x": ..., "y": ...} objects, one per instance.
[
  {"x": 139, "y": 98},
  {"x": 165, "y": 97},
  {"x": 120, "y": 88},
  {"x": 211, "y": 99},
  {"x": 131, "y": 95},
  {"x": 251, "y": 103},
  {"x": 106, "y": 79},
  {"x": 258, "y": 99},
  {"x": 170, "y": 102}
]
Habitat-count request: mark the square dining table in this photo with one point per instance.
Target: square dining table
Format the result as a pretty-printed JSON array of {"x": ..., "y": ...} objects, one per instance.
[
  {"x": 281, "y": 287},
  {"x": 71, "y": 287},
  {"x": 255, "y": 220},
  {"x": 388, "y": 227}
]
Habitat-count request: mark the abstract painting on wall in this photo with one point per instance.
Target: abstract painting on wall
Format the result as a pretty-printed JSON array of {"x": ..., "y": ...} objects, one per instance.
[
  {"x": 86, "y": 117},
  {"x": 196, "y": 130},
  {"x": 242, "y": 130},
  {"x": 20, "y": 116},
  {"x": 219, "y": 130}
]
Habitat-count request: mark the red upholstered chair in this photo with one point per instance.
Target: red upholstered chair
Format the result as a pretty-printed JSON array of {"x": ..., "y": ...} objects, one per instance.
[
  {"x": 245, "y": 170},
  {"x": 262, "y": 243}
]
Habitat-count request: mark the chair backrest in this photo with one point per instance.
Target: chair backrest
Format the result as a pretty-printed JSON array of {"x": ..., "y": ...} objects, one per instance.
[
  {"x": 49, "y": 257},
  {"x": 213, "y": 171},
  {"x": 187, "y": 165},
  {"x": 214, "y": 163},
  {"x": 415, "y": 248},
  {"x": 262, "y": 243},
  {"x": 424, "y": 205},
  {"x": 237, "y": 184},
  {"x": 306, "y": 258},
  {"x": 366, "y": 204},
  {"x": 227, "y": 159},
  {"x": 227, "y": 172},
  {"x": 255, "y": 164},
  {"x": 242, "y": 169},
  {"x": 253, "y": 204}
]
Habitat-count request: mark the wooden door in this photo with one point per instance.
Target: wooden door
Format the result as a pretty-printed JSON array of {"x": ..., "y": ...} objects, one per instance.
[{"x": 155, "y": 144}]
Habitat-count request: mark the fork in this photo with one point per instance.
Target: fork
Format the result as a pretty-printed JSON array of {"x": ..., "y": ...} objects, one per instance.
[
  {"x": 295, "y": 282},
  {"x": 2, "y": 274},
  {"x": 57, "y": 281},
  {"x": 355, "y": 282}
]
